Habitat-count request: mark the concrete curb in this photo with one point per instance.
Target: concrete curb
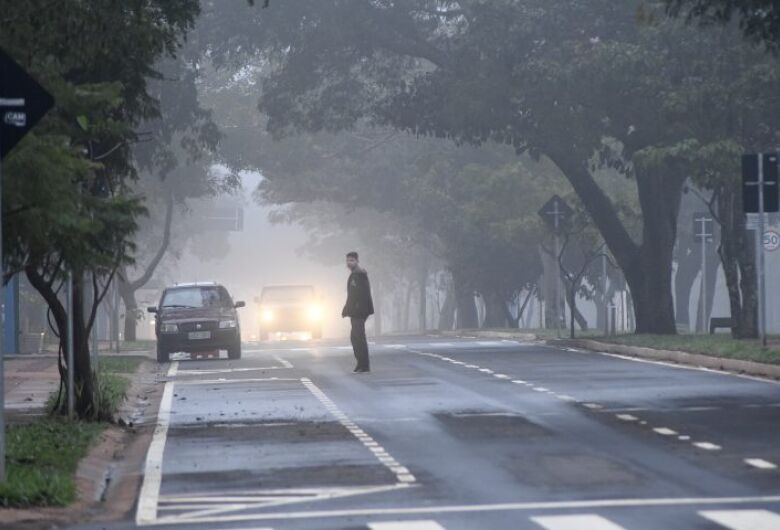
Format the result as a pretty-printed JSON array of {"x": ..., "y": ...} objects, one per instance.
[
  {"x": 736, "y": 366},
  {"x": 484, "y": 334}
]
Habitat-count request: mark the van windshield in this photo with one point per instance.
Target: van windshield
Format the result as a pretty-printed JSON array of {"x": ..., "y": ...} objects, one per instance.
[{"x": 287, "y": 294}]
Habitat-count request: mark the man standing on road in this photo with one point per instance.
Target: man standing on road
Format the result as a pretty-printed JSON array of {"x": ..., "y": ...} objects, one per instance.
[{"x": 358, "y": 308}]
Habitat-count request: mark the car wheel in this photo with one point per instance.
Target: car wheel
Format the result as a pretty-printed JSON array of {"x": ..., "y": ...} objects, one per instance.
[
  {"x": 234, "y": 352},
  {"x": 162, "y": 354}
]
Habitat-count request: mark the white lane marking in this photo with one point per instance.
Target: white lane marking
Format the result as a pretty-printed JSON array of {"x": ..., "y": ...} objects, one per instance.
[
  {"x": 576, "y": 522},
  {"x": 472, "y": 366},
  {"x": 406, "y": 525},
  {"x": 379, "y": 452},
  {"x": 150, "y": 488},
  {"x": 760, "y": 463},
  {"x": 486, "y": 370},
  {"x": 501, "y": 376},
  {"x": 540, "y": 389},
  {"x": 707, "y": 446},
  {"x": 684, "y": 437},
  {"x": 518, "y": 382},
  {"x": 744, "y": 519},
  {"x": 567, "y": 398},
  {"x": 626, "y": 417},
  {"x": 283, "y": 362},
  {"x": 488, "y": 343},
  {"x": 679, "y": 366},
  {"x": 481, "y": 508},
  {"x": 665, "y": 431},
  {"x": 223, "y": 381},
  {"x": 593, "y": 406}
]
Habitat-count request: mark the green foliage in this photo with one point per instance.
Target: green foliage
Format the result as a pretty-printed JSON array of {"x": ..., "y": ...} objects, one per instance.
[
  {"x": 41, "y": 460},
  {"x": 759, "y": 19}
]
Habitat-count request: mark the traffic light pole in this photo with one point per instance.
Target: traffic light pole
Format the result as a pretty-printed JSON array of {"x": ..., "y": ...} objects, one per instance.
[
  {"x": 760, "y": 250},
  {"x": 2, "y": 331}
]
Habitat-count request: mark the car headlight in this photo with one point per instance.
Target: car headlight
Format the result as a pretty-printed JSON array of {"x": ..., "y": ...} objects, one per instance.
[
  {"x": 268, "y": 315},
  {"x": 315, "y": 312},
  {"x": 169, "y": 328},
  {"x": 227, "y": 324}
]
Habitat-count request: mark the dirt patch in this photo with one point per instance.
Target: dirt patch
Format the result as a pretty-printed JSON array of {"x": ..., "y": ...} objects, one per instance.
[
  {"x": 561, "y": 471},
  {"x": 490, "y": 424}
]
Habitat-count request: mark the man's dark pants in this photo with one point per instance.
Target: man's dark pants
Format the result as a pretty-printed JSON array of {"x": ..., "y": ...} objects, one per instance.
[{"x": 359, "y": 342}]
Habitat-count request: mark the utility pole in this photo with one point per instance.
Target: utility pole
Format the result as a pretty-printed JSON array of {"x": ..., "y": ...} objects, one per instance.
[
  {"x": 760, "y": 195},
  {"x": 69, "y": 345},
  {"x": 703, "y": 233}
]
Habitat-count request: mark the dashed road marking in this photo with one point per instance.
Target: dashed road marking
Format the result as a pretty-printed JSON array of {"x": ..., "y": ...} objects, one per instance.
[
  {"x": 576, "y": 522},
  {"x": 665, "y": 431},
  {"x": 744, "y": 519},
  {"x": 593, "y": 406},
  {"x": 283, "y": 362},
  {"x": 626, "y": 417},
  {"x": 368, "y": 442},
  {"x": 406, "y": 525},
  {"x": 707, "y": 446},
  {"x": 760, "y": 463}
]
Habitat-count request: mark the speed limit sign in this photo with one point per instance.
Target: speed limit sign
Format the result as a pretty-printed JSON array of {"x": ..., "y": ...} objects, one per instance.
[{"x": 771, "y": 240}]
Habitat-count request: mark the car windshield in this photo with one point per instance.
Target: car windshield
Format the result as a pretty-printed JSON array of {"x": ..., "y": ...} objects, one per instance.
[
  {"x": 211, "y": 296},
  {"x": 287, "y": 294}
]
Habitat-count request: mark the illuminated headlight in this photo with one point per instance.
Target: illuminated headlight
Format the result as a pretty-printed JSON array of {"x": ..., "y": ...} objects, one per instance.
[
  {"x": 268, "y": 315},
  {"x": 227, "y": 324},
  {"x": 315, "y": 312},
  {"x": 169, "y": 328}
]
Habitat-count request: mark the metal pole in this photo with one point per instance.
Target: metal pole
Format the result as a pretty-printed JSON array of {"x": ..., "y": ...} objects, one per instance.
[
  {"x": 557, "y": 281},
  {"x": 94, "y": 333},
  {"x": 2, "y": 361},
  {"x": 604, "y": 292},
  {"x": 703, "y": 289},
  {"x": 760, "y": 250},
  {"x": 69, "y": 346}
]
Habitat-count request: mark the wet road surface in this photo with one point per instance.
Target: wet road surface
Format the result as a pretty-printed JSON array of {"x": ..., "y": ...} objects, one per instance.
[{"x": 459, "y": 434}]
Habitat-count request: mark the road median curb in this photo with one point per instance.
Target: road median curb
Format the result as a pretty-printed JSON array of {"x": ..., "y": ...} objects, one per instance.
[{"x": 724, "y": 364}]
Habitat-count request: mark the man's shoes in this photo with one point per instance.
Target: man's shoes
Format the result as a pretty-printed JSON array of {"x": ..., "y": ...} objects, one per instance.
[{"x": 357, "y": 370}]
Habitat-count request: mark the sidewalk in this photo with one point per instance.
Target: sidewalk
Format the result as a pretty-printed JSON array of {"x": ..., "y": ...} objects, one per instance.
[{"x": 28, "y": 384}]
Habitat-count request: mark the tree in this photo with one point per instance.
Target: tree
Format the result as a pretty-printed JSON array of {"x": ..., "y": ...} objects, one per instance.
[
  {"x": 67, "y": 206},
  {"x": 758, "y": 19}
]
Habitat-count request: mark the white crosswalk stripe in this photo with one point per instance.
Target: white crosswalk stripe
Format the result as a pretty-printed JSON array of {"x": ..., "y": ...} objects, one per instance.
[
  {"x": 744, "y": 519},
  {"x": 406, "y": 525},
  {"x": 576, "y": 522}
]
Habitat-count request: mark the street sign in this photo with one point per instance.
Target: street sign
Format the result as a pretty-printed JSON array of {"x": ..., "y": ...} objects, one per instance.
[
  {"x": 750, "y": 183},
  {"x": 771, "y": 240},
  {"x": 23, "y": 102},
  {"x": 556, "y": 212},
  {"x": 703, "y": 228}
]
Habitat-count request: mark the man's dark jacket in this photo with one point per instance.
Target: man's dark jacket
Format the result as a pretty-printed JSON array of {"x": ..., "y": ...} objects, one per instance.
[{"x": 359, "y": 303}]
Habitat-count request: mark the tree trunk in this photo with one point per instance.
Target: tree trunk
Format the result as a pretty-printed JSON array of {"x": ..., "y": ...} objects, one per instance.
[
  {"x": 647, "y": 267},
  {"x": 447, "y": 315},
  {"x": 495, "y": 317},
  {"x": 83, "y": 378},
  {"x": 466, "y": 307},
  {"x": 737, "y": 255},
  {"x": 127, "y": 293},
  {"x": 422, "y": 305}
]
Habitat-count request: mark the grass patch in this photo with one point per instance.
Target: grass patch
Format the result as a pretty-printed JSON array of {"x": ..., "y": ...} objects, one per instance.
[
  {"x": 135, "y": 345},
  {"x": 120, "y": 364},
  {"x": 718, "y": 345},
  {"x": 41, "y": 460}
]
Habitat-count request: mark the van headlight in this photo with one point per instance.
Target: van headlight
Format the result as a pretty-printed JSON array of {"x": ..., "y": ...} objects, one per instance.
[
  {"x": 268, "y": 315},
  {"x": 227, "y": 324},
  {"x": 315, "y": 312},
  {"x": 169, "y": 328}
]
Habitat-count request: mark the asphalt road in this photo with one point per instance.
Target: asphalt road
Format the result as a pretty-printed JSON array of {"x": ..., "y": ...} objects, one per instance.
[{"x": 459, "y": 434}]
